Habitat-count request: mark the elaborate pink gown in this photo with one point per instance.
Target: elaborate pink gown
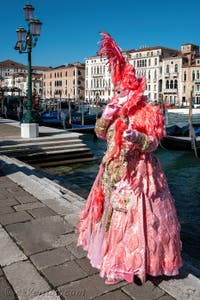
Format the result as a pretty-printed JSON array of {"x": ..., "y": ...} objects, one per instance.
[{"x": 129, "y": 224}]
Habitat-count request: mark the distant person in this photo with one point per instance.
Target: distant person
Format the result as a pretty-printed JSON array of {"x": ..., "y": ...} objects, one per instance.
[
  {"x": 5, "y": 111},
  {"x": 129, "y": 225},
  {"x": 63, "y": 116},
  {"x": 19, "y": 112}
]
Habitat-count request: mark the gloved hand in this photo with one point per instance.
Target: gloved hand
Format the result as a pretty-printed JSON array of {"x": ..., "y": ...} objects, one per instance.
[
  {"x": 110, "y": 111},
  {"x": 130, "y": 135}
]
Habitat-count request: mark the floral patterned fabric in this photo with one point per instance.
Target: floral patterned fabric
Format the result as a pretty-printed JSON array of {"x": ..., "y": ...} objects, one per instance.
[{"x": 129, "y": 224}]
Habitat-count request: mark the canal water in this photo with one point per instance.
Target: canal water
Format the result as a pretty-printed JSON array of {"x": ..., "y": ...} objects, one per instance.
[{"x": 183, "y": 173}]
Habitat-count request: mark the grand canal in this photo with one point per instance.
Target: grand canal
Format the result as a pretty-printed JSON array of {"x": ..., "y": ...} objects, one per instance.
[{"x": 183, "y": 173}]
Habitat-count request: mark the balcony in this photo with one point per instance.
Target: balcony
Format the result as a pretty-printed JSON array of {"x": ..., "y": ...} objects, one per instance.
[
  {"x": 175, "y": 74},
  {"x": 196, "y": 93},
  {"x": 170, "y": 91}
]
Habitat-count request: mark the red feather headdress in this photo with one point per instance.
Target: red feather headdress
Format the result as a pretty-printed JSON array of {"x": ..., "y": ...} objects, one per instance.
[{"x": 121, "y": 70}]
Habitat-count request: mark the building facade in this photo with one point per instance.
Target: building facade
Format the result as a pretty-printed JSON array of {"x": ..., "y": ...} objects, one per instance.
[
  {"x": 64, "y": 82},
  {"x": 14, "y": 78},
  {"x": 172, "y": 76}
]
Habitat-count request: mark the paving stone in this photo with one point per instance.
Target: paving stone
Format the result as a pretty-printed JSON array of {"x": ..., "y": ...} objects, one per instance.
[
  {"x": 27, "y": 206},
  {"x": 41, "y": 212},
  {"x": 24, "y": 197},
  {"x": 116, "y": 295},
  {"x": 72, "y": 218},
  {"x": 29, "y": 283},
  {"x": 51, "y": 258},
  {"x": 47, "y": 296},
  {"x": 9, "y": 252},
  {"x": 183, "y": 286},
  {"x": 6, "y": 210},
  {"x": 3, "y": 194},
  {"x": 39, "y": 234},
  {"x": 6, "y": 292},
  {"x": 59, "y": 205},
  {"x": 14, "y": 189},
  {"x": 78, "y": 252},
  {"x": 146, "y": 291},
  {"x": 65, "y": 239},
  {"x": 84, "y": 263},
  {"x": 8, "y": 201},
  {"x": 62, "y": 274},
  {"x": 87, "y": 288},
  {"x": 15, "y": 217},
  {"x": 167, "y": 297}
]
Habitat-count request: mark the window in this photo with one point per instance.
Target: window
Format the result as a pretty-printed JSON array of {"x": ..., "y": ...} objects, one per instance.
[
  {"x": 184, "y": 76},
  {"x": 176, "y": 68},
  {"x": 193, "y": 76},
  {"x": 175, "y": 84},
  {"x": 167, "y": 69},
  {"x": 167, "y": 84},
  {"x": 171, "y": 84}
]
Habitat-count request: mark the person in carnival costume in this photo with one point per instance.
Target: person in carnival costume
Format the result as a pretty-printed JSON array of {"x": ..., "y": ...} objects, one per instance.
[{"x": 129, "y": 225}]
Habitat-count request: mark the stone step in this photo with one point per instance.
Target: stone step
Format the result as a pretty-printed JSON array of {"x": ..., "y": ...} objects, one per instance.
[
  {"x": 16, "y": 152},
  {"x": 57, "y": 154},
  {"x": 66, "y": 162},
  {"x": 44, "y": 152},
  {"x": 40, "y": 143}
]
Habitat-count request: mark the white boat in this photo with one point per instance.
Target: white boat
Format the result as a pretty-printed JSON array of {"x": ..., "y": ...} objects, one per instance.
[{"x": 184, "y": 111}]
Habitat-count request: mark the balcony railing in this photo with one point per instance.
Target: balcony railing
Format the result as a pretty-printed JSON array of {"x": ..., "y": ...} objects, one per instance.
[{"x": 170, "y": 91}]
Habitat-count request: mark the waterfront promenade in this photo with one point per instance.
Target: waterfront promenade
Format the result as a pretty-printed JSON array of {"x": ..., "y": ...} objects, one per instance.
[{"x": 39, "y": 258}]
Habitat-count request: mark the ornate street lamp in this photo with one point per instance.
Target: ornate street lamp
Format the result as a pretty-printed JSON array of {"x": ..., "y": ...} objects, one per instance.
[{"x": 26, "y": 40}]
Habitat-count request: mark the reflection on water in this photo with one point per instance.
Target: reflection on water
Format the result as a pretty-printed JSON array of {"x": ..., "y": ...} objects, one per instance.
[{"x": 183, "y": 173}]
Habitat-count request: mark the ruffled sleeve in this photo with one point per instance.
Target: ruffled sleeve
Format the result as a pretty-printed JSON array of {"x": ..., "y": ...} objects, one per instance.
[
  {"x": 146, "y": 143},
  {"x": 101, "y": 127}
]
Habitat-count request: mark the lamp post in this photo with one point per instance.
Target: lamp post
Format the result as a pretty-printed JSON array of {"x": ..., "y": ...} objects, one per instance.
[{"x": 26, "y": 40}]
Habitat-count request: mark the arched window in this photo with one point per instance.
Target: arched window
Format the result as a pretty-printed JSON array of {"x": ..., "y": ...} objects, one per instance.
[
  {"x": 167, "y": 69},
  {"x": 193, "y": 75},
  {"x": 175, "y": 84},
  {"x": 185, "y": 76},
  {"x": 167, "y": 84},
  {"x": 197, "y": 74},
  {"x": 171, "y": 84},
  {"x": 176, "y": 68}
]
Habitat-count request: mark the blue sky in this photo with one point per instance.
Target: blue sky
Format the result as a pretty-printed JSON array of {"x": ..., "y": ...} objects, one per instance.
[{"x": 70, "y": 30}]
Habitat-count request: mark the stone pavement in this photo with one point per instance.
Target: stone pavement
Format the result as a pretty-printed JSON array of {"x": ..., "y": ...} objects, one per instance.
[{"x": 39, "y": 258}]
